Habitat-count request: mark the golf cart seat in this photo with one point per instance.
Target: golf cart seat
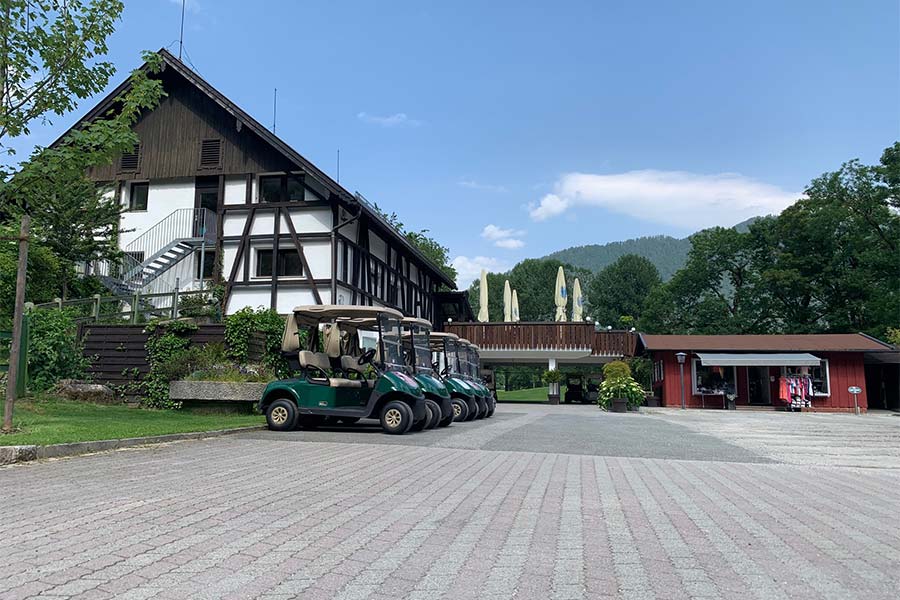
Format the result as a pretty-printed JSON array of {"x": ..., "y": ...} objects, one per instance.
[
  {"x": 350, "y": 364},
  {"x": 317, "y": 366}
]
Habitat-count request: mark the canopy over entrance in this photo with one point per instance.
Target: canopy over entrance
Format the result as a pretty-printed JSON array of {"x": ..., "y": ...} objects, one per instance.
[{"x": 794, "y": 359}]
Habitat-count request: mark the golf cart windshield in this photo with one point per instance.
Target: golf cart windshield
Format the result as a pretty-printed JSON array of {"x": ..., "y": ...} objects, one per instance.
[
  {"x": 473, "y": 363},
  {"x": 451, "y": 349},
  {"x": 392, "y": 352},
  {"x": 420, "y": 347}
]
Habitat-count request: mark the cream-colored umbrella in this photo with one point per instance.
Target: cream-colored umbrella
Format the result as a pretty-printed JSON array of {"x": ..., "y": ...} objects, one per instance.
[
  {"x": 577, "y": 301},
  {"x": 515, "y": 306},
  {"x": 483, "y": 298},
  {"x": 507, "y": 302},
  {"x": 560, "y": 295}
]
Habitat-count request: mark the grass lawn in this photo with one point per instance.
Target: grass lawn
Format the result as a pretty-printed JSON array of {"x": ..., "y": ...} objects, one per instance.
[
  {"x": 48, "y": 420},
  {"x": 538, "y": 394}
]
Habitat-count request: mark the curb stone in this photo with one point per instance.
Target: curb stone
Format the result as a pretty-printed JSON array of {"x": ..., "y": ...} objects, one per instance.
[{"x": 17, "y": 454}]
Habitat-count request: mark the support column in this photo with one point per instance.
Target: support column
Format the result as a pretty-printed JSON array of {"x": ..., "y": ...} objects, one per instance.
[{"x": 551, "y": 364}]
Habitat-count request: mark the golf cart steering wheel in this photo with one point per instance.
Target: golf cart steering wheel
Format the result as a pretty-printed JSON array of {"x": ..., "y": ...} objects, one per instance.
[{"x": 366, "y": 357}]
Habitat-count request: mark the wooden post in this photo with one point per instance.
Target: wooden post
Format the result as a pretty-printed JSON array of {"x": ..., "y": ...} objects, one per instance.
[
  {"x": 18, "y": 310},
  {"x": 135, "y": 301},
  {"x": 175, "y": 301},
  {"x": 96, "y": 308}
]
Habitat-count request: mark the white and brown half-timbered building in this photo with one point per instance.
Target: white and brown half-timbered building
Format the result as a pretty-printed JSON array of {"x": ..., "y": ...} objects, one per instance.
[{"x": 212, "y": 194}]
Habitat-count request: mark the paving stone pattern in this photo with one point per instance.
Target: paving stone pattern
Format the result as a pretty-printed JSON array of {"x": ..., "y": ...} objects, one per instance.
[{"x": 257, "y": 516}]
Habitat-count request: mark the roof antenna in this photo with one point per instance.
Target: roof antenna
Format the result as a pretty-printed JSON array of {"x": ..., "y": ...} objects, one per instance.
[
  {"x": 274, "y": 110},
  {"x": 181, "y": 35},
  {"x": 339, "y": 166}
]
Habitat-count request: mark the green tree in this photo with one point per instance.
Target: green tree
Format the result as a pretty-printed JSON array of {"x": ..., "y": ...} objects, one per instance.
[
  {"x": 534, "y": 280},
  {"x": 427, "y": 245},
  {"x": 43, "y": 274},
  {"x": 717, "y": 291},
  {"x": 621, "y": 289}
]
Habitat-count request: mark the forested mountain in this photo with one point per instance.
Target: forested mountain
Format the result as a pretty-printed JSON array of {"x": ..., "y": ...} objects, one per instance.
[{"x": 667, "y": 253}]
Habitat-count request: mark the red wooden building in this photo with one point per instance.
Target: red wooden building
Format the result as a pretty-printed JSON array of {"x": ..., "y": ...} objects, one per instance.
[{"x": 812, "y": 372}]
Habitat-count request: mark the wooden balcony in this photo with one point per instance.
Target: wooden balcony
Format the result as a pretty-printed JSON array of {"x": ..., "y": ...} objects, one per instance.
[{"x": 546, "y": 336}]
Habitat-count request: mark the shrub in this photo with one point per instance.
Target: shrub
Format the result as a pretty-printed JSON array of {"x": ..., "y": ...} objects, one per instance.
[
  {"x": 552, "y": 376},
  {"x": 54, "y": 351},
  {"x": 621, "y": 387},
  {"x": 166, "y": 348},
  {"x": 617, "y": 369},
  {"x": 241, "y": 324}
]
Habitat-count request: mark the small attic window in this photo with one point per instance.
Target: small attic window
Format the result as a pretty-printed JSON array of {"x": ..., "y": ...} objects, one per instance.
[
  {"x": 130, "y": 162},
  {"x": 210, "y": 153}
]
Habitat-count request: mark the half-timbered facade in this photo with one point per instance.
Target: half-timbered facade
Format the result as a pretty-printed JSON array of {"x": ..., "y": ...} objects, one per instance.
[{"x": 213, "y": 195}]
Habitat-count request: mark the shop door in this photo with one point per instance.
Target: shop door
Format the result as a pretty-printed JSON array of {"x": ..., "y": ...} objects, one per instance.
[{"x": 758, "y": 383}]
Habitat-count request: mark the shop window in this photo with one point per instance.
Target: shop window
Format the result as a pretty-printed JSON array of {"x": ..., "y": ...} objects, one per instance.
[
  {"x": 819, "y": 375},
  {"x": 288, "y": 263},
  {"x": 713, "y": 380},
  {"x": 137, "y": 199}
]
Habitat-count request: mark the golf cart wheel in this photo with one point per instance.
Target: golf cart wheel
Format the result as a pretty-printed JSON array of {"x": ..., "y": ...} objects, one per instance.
[
  {"x": 424, "y": 421},
  {"x": 491, "y": 408},
  {"x": 445, "y": 421},
  {"x": 281, "y": 415},
  {"x": 435, "y": 413},
  {"x": 460, "y": 410},
  {"x": 396, "y": 417}
]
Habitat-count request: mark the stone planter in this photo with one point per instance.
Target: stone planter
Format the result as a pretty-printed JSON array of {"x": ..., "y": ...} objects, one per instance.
[
  {"x": 619, "y": 405},
  {"x": 553, "y": 393},
  {"x": 216, "y": 391}
]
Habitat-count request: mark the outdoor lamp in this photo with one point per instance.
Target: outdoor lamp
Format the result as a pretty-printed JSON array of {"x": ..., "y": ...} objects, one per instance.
[
  {"x": 597, "y": 326},
  {"x": 681, "y": 356},
  {"x": 609, "y": 327}
]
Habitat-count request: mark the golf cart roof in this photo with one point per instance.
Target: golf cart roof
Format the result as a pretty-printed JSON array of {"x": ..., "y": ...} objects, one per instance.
[
  {"x": 464, "y": 341},
  {"x": 417, "y": 321},
  {"x": 313, "y": 314},
  {"x": 349, "y": 317},
  {"x": 442, "y": 335},
  {"x": 474, "y": 347}
]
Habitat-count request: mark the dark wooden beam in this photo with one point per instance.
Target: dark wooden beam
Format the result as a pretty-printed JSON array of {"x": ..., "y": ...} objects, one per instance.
[
  {"x": 237, "y": 261},
  {"x": 304, "y": 264},
  {"x": 273, "y": 299}
]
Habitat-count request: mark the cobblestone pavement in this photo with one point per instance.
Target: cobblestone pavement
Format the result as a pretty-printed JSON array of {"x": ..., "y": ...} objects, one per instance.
[{"x": 451, "y": 514}]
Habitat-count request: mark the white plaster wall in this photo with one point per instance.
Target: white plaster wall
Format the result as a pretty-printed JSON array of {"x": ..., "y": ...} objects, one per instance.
[
  {"x": 377, "y": 246},
  {"x": 308, "y": 221},
  {"x": 318, "y": 255},
  {"x": 234, "y": 223},
  {"x": 163, "y": 197},
  {"x": 252, "y": 297},
  {"x": 288, "y": 298},
  {"x": 235, "y": 190}
]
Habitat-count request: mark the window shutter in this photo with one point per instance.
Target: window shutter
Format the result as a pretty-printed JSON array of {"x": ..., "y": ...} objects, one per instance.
[{"x": 210, "y": 153}]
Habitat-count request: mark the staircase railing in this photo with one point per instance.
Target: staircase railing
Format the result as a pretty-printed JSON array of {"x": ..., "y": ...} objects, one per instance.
[{"x": 182, "y": 224}]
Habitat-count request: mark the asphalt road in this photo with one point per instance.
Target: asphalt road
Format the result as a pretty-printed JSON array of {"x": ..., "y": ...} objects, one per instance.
[{"x": 535, "y": 503}]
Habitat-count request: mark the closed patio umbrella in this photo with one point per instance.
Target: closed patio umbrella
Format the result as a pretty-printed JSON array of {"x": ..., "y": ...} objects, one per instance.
[
  {"x": 577, "y": 301},
  {"x": 507, "y": 303},
  {"x": 483, "y": 298},
  {"x": 560, "y": 295},
  {"x": 515, "y": 306}
]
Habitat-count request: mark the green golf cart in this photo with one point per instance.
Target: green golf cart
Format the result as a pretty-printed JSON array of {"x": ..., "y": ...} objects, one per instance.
[
  {"x": 444, "y": 347},
  {"x": 338, "y": 378},
  {"x": 417, "y": 348},
  {"x": 471, "y": 366}
]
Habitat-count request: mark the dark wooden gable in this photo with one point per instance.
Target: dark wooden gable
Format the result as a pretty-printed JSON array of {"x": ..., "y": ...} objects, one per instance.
[{"x": 177, "y": 140}]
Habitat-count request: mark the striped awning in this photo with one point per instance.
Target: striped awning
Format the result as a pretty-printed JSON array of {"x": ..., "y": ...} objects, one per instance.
[{"x": 793, "y": 359}]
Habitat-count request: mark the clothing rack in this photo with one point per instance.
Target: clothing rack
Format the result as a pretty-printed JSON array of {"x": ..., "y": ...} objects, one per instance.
[{"x": 796, "y": 391}]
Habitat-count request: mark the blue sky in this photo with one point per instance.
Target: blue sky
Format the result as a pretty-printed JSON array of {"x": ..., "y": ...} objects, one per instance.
[{"x": 512, "y": 129}]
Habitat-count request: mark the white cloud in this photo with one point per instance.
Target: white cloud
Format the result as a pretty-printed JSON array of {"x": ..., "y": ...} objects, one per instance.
[
  {"x": 509, "y": 243},
  {"x": 476, "y": 185},
  {"x": 503, "y": 238},
  {"x": 687, "y": 200},
  {"x": 469, "y": 269},
  {"x": 394, "y": 120}
]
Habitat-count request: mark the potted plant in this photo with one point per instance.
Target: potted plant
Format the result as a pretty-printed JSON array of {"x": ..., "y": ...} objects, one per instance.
[
  {"x": 619, "y": 391},
  {"x": 551, "y": 378}
]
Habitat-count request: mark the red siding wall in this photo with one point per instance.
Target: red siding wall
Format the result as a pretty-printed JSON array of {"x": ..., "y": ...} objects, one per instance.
[{"x": 845, "y": 369}]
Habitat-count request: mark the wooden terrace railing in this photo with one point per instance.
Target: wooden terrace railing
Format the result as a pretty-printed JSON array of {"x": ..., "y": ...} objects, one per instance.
[{"x": 546, "y": 336}]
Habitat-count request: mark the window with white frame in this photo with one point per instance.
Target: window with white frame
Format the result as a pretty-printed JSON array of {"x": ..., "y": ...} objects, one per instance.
[
  {"x": 709, "y": 379},
  {"x": 819, "y": 375}
]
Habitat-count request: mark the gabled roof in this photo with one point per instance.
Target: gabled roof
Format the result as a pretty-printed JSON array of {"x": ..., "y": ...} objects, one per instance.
[
  {"x": 273, "y": 140},
  {"x": 828, "y": 342}
]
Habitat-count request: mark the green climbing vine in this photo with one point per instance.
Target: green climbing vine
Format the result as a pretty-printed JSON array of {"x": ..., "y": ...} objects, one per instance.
[{"x": 166, "y": 342}]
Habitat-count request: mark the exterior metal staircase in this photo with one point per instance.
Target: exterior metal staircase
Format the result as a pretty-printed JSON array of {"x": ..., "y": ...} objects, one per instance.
[{"x": 151, "y": 255}]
